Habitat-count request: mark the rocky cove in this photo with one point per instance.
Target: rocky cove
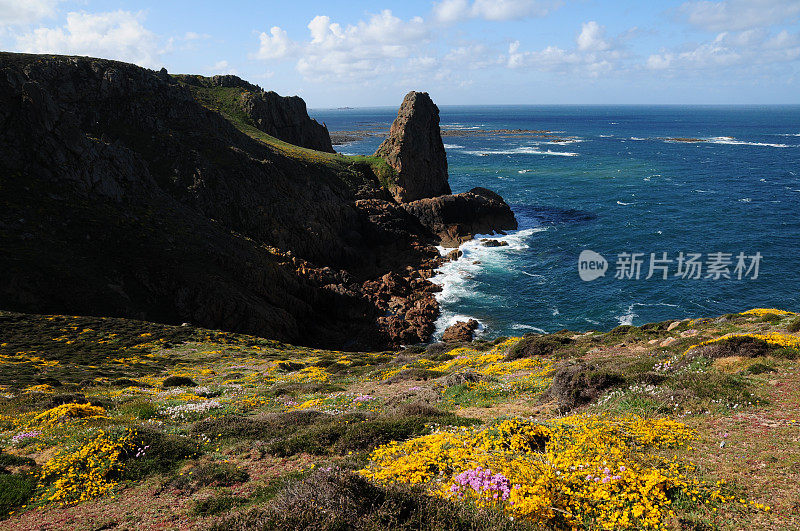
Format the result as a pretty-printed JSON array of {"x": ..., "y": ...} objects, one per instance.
[{"x": 136, "y": 193}]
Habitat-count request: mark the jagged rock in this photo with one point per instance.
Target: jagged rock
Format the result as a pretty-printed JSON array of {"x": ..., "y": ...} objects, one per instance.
[
  {"x": 461, "y": 331},
  {"x": 455, "y": 219},
  {"x": 414, "y": 148},
  {"x": 455, "y": 254},
  {"x": 493, "y": 243}
]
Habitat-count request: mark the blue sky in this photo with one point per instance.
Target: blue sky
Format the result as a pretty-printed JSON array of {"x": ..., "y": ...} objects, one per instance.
[{"x": 360, "y": 53}]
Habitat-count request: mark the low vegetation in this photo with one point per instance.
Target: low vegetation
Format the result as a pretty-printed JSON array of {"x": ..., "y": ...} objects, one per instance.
[{"x": 104, "y": 422}]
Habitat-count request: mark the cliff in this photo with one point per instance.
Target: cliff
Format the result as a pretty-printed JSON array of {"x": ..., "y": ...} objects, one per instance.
[
  {"x": 132, "y": 193},
  {"x": 284, "y": 117},
  {"x": 415, "y": 150}
]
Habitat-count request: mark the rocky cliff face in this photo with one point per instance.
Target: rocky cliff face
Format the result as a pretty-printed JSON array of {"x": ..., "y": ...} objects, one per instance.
[
  {"x": 414, "y": 148},
  {"x": 123, "y": 195},
  {"x": 284, "y": 117}
]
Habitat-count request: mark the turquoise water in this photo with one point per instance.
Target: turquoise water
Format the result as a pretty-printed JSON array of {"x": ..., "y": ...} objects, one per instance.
[{"x": 618, "y": 187}]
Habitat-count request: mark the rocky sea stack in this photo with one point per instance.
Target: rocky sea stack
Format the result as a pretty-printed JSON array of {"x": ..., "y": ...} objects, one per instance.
[{"x": 415, "y": 150}]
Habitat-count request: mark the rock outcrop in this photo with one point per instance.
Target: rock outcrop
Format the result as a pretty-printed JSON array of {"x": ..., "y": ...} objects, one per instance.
[
  {"x": 414, "y": 148},
  {"x": 284, "y": 117},
  {"x": 123, "y": 194},
  {"x": 457, "y": 218},
  {"x": 461, "y": 331}
]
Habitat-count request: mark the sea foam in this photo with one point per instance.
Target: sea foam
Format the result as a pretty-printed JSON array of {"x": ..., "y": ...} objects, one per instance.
[{"x": 529, "y": 150}]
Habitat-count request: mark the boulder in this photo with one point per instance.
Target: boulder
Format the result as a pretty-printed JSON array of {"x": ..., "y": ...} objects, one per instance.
[
  {"x": 414, "y": 148},
  {"x": 455, "y": 219},
  {"x": 461, "y": 331}
]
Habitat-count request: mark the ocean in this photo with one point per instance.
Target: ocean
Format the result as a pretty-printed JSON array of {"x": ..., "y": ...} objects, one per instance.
[{"x": 717, "y": 212}]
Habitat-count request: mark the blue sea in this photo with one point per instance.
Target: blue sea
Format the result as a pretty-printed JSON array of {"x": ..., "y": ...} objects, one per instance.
[{"x": 618, "y": 187}]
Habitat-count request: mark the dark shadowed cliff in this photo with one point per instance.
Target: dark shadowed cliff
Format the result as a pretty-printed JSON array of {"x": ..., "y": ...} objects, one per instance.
[
  {"x": 124, "y": 193},
  {"x": 132, "y": 193}
]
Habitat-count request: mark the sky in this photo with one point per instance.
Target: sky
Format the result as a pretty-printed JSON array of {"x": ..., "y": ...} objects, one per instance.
[{"x": 463, "y": 52}]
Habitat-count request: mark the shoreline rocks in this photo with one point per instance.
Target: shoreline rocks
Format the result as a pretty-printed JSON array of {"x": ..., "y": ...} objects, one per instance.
[
  {"x": 461, "y": 331},
  {"x": 457, "y": 218}
]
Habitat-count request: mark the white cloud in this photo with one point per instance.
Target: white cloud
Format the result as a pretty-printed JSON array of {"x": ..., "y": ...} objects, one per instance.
[
  {"x": 115, "y": 35},
  {"x": 367, "y": 49},
  {"x": 593, "y": 55},
  {"x": 734, "y": 15},
  {"x": 592, "y": 37},
  {"x": 26, "y": 11},
  {"x": 275, "y": 45},
  {"x": 749, "y": 49},
  {"x": 221, "y": 68},
  {"x": 455, "y": 10}
]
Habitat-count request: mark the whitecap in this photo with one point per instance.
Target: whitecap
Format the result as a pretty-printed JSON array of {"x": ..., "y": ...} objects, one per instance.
[
  {"x": 605, "y": 136},
  {"x": 520, "y": 326},
  {"x": 521, "y": 151},
  {"x": 532, "y": 275},
  {"x": 565, "y": 141},
  {"x": 523, "y": 171},
  {"x": 457, "y": 278},
  {"x": 729, "y": 140},
  {"x": 453, "y": 146},
  {"x": 745, "y": 200},
  {"x": 623, "y": 204},
  {"x": 637, "y": 138}
]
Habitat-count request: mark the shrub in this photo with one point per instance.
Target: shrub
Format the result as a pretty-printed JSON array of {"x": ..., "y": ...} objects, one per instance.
[
  {"x": 531, "y": 346},
  {"x": 414, "y": 373},
  {"x": 127, "y": 382},
  {"x": 576, "y": 384},
  {"x": 86, "y": 471},
  {"x": 342, "y": 500},
  {"x": 152, "y": 451},
  {"x": 210, "y": 475},
  {"x": 15, "y": 491},
  {"x": 743, "y": 346},
  {"x": 794, "y": 325},
  {"x": 178, "y": 381}
]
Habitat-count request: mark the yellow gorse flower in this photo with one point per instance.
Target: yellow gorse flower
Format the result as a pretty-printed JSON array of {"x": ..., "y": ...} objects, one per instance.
[{"x": 579, "y": 471}]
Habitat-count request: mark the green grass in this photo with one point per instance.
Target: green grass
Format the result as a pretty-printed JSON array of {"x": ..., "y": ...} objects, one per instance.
[{"x": 225, "y": 100}]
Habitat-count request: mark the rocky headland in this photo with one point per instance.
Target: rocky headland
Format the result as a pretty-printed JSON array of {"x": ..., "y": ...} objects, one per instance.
[{"x": 134, "y": 193}]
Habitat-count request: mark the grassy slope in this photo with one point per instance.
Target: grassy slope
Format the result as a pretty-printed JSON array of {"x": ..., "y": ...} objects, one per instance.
[
  {"x": 225, "y": 101},
  {"x": 249, "y": 437}
]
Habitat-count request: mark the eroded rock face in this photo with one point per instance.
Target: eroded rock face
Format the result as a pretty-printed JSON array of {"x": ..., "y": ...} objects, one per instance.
[
  {"x": 284, "y": 117},
  {"x": 415, "y": 150},
  {"x": 461, "y": 331},
  {"x": 455, "y": 219}
]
